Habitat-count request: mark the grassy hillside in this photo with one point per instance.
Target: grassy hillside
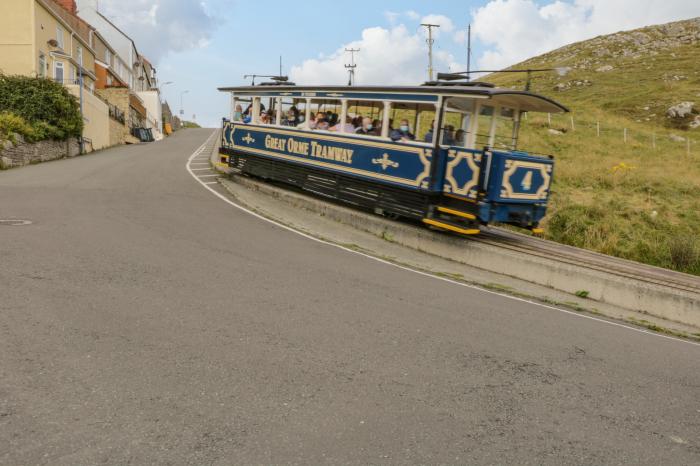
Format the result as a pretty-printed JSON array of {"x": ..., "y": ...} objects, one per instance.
[{"x": 640, "y": 198}]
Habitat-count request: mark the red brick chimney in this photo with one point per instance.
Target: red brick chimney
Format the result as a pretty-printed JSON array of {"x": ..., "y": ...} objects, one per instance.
[{"x": 69, "y": 5}]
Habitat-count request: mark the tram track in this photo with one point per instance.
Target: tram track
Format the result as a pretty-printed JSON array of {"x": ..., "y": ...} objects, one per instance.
[{"x": 583, "y": 258}]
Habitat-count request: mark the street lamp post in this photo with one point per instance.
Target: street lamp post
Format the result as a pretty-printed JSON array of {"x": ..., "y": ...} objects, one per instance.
[
  {"x": 163, "y": 85},
  {"x": 82, "y": 114},
  {"x": 182, "y": 111}
]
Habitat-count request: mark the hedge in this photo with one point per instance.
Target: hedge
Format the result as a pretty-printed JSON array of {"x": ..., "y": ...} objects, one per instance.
[{"x": 46, "y": 106}]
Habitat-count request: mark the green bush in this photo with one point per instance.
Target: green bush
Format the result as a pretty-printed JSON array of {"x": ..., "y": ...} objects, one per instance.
[
  {"x": 52, "y": 111},
  {"x": 11, "y": 124}
]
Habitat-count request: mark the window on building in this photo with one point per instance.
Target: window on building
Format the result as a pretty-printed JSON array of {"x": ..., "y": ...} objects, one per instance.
[
  {"x": 73, "y": 74},
  {"x": 59, "y": 36},
  {"x": 79, "y": 53},
  {"x": 58, "y": 72},
  {"x": 42, "y": 65},
  {"x": 108, "y": 57}
]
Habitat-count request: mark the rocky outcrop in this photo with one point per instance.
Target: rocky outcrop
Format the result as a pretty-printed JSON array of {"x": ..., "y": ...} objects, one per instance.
[
  {"x": 649, "y": 41},
  {"x": 681, "y": 110},
  {"x": 576, "y": 83}
]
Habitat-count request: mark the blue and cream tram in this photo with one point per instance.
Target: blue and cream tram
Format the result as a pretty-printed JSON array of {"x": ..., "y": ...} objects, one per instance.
[{"x": 443, "y": 153}]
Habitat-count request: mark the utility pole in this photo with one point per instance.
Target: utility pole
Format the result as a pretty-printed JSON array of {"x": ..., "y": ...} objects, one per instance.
[
  {"x": 280, "y": 65},
  {"x": 469, "y": 51},
  {"x": 430, "y": 41},
  {"x": 351, "y": 67}
]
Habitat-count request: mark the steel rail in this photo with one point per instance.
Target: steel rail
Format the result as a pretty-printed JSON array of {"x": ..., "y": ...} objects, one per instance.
[{"x": 519, "y": 242}]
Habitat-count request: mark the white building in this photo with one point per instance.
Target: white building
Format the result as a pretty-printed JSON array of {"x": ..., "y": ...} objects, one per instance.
[{"x": 130, "y": 66}]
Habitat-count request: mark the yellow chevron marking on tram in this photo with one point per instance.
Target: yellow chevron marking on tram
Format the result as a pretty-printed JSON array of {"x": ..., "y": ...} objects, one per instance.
[
  {"x": 447, "y": 226},
  {"x": 457, "y": 213}
]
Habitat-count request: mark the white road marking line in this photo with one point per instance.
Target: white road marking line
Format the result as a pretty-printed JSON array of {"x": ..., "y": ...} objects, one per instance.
[
  {"x": 206, "y": 176},
  {"x": 198, "y": 169},
  {"x": 212, "y": 182},
  {"x": 419, "y": 272}
]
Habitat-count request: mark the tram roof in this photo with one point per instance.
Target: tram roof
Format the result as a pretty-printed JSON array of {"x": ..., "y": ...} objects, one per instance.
[{"x": 526, "y": 101}]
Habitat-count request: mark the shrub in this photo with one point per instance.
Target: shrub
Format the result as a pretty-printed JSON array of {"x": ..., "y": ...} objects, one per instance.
[
  {"x": 11, "y": 124},
  {"x": 685, "y": 254},
  {"x": 47, "y": 106}
]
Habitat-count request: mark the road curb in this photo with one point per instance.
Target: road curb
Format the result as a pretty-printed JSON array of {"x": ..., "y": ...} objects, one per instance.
[{"x": 680, "y": 306}]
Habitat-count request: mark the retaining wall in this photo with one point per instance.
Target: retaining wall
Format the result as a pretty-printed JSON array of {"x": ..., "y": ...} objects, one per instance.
[{"x": 22, "y": 153}]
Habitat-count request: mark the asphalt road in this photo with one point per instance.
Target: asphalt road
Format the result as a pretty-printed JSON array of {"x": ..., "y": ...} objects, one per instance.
[{"x": 145, "y": 321}]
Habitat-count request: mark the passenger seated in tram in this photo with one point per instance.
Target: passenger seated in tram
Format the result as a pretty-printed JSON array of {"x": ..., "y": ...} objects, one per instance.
[
  {"x": 249, "y": 109},
  {"x": 331, "y": 118},
  {"x": 403, "y": 133},
  {"x": 312, "y": 122},
  {"x": 448, "y": 138},
  {"x": 292, "y": 118},
  {"x": 460, "y": 138},
  {"x": 321, "y": 122},
  {"x": 238, "y": 113},
  {"x": 347, "y": 127},
  {"x": 266, "y": 118},
  {"x": 367, "y": 128}
]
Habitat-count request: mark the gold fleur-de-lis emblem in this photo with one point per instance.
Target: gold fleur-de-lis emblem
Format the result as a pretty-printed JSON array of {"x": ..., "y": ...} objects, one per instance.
[
  {"x": 248, "y": 139},
  {"x": 385, "y": 162}
]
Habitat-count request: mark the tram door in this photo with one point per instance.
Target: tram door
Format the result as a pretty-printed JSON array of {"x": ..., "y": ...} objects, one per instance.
[{"x": 462, "y": 161}]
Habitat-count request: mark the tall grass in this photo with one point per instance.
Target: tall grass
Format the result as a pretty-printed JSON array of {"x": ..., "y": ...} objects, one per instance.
[{"x": 627, "y": 200}]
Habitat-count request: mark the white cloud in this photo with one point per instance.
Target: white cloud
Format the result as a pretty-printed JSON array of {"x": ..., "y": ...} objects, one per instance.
[
  {"x": 410, "y": 14},
  {"x": 161, "y": 26},
  {"x": 514, "y": 30},
  {"x": 387, "y": 56}
]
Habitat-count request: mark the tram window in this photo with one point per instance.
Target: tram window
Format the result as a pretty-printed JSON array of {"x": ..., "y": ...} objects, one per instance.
[
  {"x": 324, "y": 114},
  {"x": 291, "y": 113},
  {"x": 456, "y": 122},
  {"x": 484, "y": 128},
  {"x": 426, "y": 122},
  {"x": 366, "y": 117},
  {"x": 239, "y": 107},
  {"x": 503, "y": 137},
  {"x": 451, "y": 123}
]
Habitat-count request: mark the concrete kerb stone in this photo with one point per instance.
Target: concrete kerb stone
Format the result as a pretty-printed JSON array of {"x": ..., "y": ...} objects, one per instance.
[{"x": 629, "y": 293}]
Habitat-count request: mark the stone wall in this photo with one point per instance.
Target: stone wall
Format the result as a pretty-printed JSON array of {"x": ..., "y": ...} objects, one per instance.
[
  {"x": 120, "y": 98},
  {"x": 118, "y": 133},
  {"x": 22, "y": 153}
]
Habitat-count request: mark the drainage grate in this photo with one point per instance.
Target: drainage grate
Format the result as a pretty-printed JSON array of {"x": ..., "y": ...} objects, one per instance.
[{"x": 14, "y": 222}]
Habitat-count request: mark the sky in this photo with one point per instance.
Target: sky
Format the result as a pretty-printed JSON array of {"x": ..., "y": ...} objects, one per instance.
[{"x": 201, "y": 45}]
